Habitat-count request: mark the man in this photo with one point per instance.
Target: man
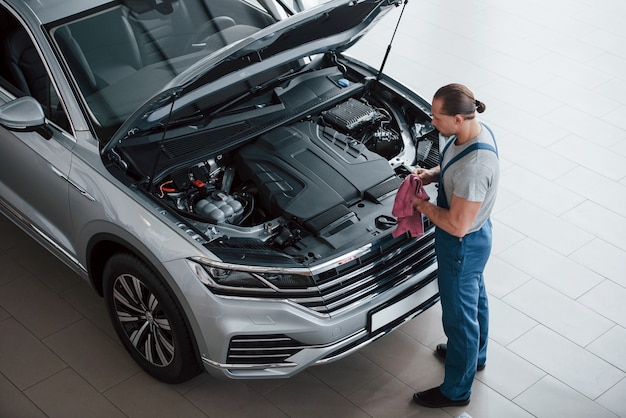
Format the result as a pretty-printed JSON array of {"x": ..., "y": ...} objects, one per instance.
[{"x": 468, "y": 177}]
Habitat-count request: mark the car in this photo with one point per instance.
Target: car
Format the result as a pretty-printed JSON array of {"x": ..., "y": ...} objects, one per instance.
[{"x": 222, "y": 173}]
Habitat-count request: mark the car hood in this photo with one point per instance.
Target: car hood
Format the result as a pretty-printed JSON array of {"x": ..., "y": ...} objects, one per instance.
[{"x": 331, "y": 27}]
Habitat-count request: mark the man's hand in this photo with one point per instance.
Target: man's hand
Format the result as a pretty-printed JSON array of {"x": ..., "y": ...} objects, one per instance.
[
  {"x": 427, "y": 176},
  {"x": 419, "y": 203}
]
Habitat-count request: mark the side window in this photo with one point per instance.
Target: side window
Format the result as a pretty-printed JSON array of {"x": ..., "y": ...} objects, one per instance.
[{"x": 23, "y": 73}]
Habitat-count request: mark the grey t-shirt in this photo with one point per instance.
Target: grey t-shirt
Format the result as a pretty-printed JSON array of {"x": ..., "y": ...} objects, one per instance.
[{"x": 474, "y": 177}]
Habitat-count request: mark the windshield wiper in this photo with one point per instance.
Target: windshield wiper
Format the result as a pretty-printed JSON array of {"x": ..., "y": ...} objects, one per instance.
[
  {"x": 160, "y": 127},
  {"x": 259, "y": 88}
]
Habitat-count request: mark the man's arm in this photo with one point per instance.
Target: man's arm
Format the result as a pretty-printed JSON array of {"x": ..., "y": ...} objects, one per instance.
[{"x": 456, "y": 220}]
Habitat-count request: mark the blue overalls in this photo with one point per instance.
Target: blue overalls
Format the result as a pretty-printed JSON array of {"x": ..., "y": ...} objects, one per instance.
[{"x": 463, "y": 295}]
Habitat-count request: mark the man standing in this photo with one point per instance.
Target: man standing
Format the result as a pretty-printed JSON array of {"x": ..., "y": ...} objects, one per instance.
[{"x": 468, "y": 176}]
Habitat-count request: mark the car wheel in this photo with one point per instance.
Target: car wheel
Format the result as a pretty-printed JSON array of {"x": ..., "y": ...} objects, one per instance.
[{"x": 147, "y": 320}]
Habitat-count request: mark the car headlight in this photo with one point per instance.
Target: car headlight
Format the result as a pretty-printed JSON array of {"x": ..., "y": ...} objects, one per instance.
[{"x": 225, "y": 278}]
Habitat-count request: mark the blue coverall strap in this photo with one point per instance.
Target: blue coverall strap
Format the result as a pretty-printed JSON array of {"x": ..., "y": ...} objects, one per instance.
[
  {"x": 471, "y": 148},
  {"x": 492, "y": 137},
  {"x": 442, "y": 201}
]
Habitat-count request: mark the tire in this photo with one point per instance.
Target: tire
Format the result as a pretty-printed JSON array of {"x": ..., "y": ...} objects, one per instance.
[{"x": 147, "y": 320}]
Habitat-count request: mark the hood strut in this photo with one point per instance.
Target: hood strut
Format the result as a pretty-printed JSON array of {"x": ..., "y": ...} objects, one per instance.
[
  {"x": 380, "y": 72},
  {"x": 157, "y": 157}
]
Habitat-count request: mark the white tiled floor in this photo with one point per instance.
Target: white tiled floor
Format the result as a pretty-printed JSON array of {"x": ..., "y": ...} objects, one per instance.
[{"x": 553, "y": 75}]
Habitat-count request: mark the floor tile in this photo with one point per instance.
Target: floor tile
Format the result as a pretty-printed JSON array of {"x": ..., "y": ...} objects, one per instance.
[
  {"x": 85, "y": 300},
  {"x": 100, "y": 360},
  {"x": 347, "y": 375},
  {"x": 562, "y": 43},
  {"x": 4, "y": 315},
  {"x": 14, "y": 404},
  {"x": 11, "y": 236},
  {"x": 426, "y": 328},
  {"x": 603, "y": 258},
  {"x": 501, "y": 278},
  {"x": 506, "y": 323},
  {"x": 141, "y": 396},
  {"x": 597, "y": 220},
  {"x": 611, "y": 347},
  {"x": 24, "y": 360},
  {"x": 57, "y": 276},
  {"x": 620, "y": 148},
  {"x": 53, "y": 396},
  {"x": 534, "y": 158},
  {"x": 616, "y": 117},
  {"x": 559, "y": 312},
  {"x": 516, "y": 69},
  {"x": 551, "y": 268},
  {"x": 607, "y": 61},
  {"x": 613, "y": 399},
  {"x": 511, "y": 44},
  {"x": 507, "y": 373},
  {"x": 571, "y": 69},
  {"x": 216, "y": 398},
  {"x": 265, "y": 386},
  {"x": 581, "y": 98},
  {"x": 588, "y": 132},
  {"x": 186, "y": 387},
  {"x": 408, "y": 360},
  {"x": 36, "y": 306},
  {"x": 602, "y": 38},
  {"x": 385, "y": 396},
  {"x": 615, "y": 89},
  {"x": 504, "y": 236},
  {"x": 486, "y": 402},
  {"x": 535, "y": 187},
  {"x": 595, "y": 187},
  {"x": 307, "y": 396},
  {"x": 567, "y": 362},
  {"x": 607, "y": 299},
  {"x": 591, "y": 149},
  {"x": 10, "y": 269},
  {"x": 542, "y": 135},
  {"x": 550, "y": 398},
  {"x": 545, "y": 228}
]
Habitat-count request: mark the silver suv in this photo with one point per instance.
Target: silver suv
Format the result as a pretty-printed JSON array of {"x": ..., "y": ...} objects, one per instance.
[{"x": 220, "y": 171}]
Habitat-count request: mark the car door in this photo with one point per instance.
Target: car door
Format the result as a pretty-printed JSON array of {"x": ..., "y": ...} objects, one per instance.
[
  {"x": 35, "y": 163},
  {"x": 33, "y": 182}
]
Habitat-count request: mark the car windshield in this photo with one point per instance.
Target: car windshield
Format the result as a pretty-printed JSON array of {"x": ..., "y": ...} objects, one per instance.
[{"x": 125, "y": 53}]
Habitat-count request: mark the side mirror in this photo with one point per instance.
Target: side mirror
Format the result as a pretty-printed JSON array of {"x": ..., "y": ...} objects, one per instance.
[{"x": 22, "y": 114}]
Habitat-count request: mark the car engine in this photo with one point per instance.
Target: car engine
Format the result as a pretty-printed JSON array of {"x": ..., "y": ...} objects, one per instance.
[{"x": 299, "y": 185}]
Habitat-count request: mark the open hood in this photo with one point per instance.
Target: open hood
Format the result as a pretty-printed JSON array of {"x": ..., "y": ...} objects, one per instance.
[{"x": 250, "y": 64}]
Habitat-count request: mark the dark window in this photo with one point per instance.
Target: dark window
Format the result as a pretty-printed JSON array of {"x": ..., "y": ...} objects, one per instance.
[{"x": 23, "y": 72}]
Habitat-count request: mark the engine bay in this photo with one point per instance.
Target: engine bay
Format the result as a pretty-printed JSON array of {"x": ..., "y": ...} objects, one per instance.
[{"x": 311, "y": 186}]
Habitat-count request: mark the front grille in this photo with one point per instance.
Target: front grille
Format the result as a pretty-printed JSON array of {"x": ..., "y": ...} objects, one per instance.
[
  {"x": 261, "y": 349},
  {"x": 391, "y": 262}
]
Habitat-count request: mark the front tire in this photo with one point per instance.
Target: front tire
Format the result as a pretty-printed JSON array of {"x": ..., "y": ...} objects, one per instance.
[{"x": 147, "y": 320}]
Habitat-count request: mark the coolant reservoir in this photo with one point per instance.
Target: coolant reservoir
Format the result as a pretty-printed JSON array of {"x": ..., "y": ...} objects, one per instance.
[{"x": 219, "y": 207}]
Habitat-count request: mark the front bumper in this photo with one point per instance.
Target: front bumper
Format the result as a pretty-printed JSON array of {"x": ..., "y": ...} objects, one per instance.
[
  {"x": 273, "y": 340},
  {"x": 252, "y": 336}
]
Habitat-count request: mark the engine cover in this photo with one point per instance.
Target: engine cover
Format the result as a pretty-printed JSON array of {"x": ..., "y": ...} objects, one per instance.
[{"x": 306, "y": 170}]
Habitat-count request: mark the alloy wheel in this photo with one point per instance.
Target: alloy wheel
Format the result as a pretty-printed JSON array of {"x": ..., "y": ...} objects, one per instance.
[{"x": 143, "y": 319}]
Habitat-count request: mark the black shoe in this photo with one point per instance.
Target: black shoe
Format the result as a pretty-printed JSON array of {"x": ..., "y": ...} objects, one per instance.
[
  {"x": 433, "y": 398},
  {"x": 442, "y": 350}
]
